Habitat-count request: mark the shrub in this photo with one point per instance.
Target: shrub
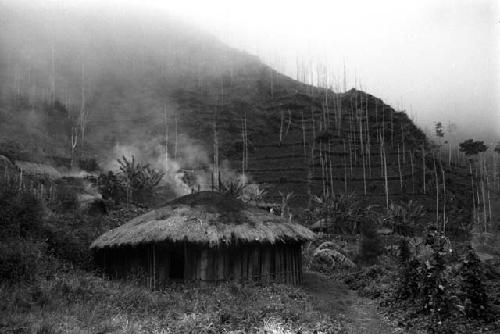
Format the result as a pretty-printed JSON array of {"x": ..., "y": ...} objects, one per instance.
[
  {"x": 370, "y": 246},
  {"x": 66, "y": 198},
  {"x": 404, "y": 218},
  {"x": 13, "y": 150},
  {"x": 342, "y": 213},
  {"x": 20, "y": 211},
  {"x": 22, "y": 260},
  {"x": 69, "y": 237},
  {"x": 443, "y": 288},
  {"x": 134, "y": 183},
  {"x": 473, "y": 291},
  {"x": 111, "y": 187}
]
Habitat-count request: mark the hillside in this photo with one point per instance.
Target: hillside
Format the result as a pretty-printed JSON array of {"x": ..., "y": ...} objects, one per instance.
[{"x": 127, "y": 92}]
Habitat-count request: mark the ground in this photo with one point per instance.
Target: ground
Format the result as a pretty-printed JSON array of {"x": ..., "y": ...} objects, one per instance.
[{"x": 334, "y": 298}]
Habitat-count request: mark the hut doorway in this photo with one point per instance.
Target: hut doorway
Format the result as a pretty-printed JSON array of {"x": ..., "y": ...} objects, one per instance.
[{"x": 177, "y": 264}]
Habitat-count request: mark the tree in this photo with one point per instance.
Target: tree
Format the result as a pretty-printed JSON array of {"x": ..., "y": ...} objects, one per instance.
[
  {"x": 134, "y": 182},
  {"x": 471, "y": 147},
  {"x": 439, "y": 130}
]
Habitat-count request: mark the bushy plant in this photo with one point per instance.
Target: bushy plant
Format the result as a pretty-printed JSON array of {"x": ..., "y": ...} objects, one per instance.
[
  {"x": 66, "y": 198},
  {"x": 473, "y": 291},
  {"x": 20, "y": 211},
  {"x": 232, "y": 187},
  {"x": 253, "y": 193},
  {"x": 405, "y": 218},
  {"x": 341, "y": 213},
  {"x": 133, "y": 183},
  {"x": 443, "y": 289},
  {"x": 22, "y": 260},
  {"x": 111, "y": 186},
  {"x": 370, "y": 246}
]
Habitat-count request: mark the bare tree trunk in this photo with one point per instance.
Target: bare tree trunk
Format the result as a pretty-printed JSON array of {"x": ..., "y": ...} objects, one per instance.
[
  {"x": 216, "y": 152},
  {"x": 289, "y": 122},
  {"x": 53, "y": 75},
  {"x": 345, "y": 168},
  {"x": 281, "y": 126},
  {"x": 437, "y": 193},
  {"x": 472, "y": 189},
  {"x": 485, "y": 216},
  {"x": 304, "y": 135},
  {"x": 385, "y": 178},
  {"x": 362, "y": 154},
  {"x": 82, "y": 108},
  {"x": 412, "y": 172},
  {"x": 444, "y": 199},
  {"x": 166, "y": 137},
  {"x": 244, "y": 163},
  {"x": 74, "y": 142},
  {"x": 392, "y": 129},
  {"x": 400, "y": 172},
  {"x": 423, "y": 166},
  {"x": 176, "y": 135}
]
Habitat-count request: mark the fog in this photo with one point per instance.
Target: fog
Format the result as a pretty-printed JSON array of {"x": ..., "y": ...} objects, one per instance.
[{"x": 438, "y": 60}]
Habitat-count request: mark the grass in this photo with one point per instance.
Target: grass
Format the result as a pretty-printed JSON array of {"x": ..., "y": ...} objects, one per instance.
[{"x": 81, "y": 302}]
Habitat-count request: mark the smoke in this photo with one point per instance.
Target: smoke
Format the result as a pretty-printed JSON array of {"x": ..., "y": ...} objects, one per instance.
[{"x": 184, "y": 155}]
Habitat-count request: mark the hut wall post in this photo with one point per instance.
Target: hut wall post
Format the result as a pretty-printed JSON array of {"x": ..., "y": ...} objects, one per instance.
[
  {"x": 288, "y": 264},
  {"x": 150, "y": 266},
  {"x": 220, "y": 264},
  {"x": 300, "y": 264},
  {"x": 298, "y": 254},
  {"x": 277, "y": 262},
  {"x": 203, "y": 264},
  {"x": 297, "y": 259},
  {"x": 155, "y": 283},
  {"x": 256, "y": 263},
  {"x": 237, "y": 265},
  {"x": 266, "y": 264},
  {"x": 250, "y": 264},
  {"x": 187, "y": 262},
  {"x": 244, "y": 264},
  {"x": 166, "y": 267},
  {"x": 283, "y": 264},
  {"x": 198, "y": 265}
]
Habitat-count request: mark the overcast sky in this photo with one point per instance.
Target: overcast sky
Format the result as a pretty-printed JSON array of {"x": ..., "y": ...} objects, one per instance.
[{"x": 438, "y": 59}]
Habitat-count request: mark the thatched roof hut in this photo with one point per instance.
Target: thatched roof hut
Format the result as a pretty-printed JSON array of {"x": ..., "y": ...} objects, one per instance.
[
  {"x": 38, "y": 170},
  {"x": 205, "y": 236}
]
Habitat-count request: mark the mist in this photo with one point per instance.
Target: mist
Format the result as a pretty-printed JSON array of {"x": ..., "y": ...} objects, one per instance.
[{"x": 437, "y": 60}]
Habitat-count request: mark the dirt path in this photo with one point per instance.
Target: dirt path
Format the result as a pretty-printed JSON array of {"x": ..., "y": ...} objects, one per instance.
[{"x": 336, "y": 299}]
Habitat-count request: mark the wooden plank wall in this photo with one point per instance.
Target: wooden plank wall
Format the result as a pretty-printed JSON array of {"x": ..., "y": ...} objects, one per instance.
[{"x": 252, "y": 262}]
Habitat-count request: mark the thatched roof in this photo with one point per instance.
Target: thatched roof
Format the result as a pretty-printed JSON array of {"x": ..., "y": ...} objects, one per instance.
[
  {"x": 207, "y": 218},
  {"x": 38, "y": 170}
]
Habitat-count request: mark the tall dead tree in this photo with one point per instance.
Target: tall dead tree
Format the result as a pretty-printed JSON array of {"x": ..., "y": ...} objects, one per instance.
[
  {"x": 400, "y": 172},
  {"x": 386, "y": 181},
  {"x": 83, "y": 111},
  {"x": 176, "y": 137},
  {"x": 282, "y": 120},
  {"x": 423, "y": 167},
  {"x": 74, "y": 142},
  {"x": 215, "y": 171},
  {"x": 165, "y": 123},
  {"x": 244, "y": 136}
]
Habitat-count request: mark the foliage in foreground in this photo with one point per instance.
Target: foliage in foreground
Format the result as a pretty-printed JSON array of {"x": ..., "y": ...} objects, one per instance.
[
  {"x": 77, "y": 302},
  {"x": 437, "y": 290}
]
